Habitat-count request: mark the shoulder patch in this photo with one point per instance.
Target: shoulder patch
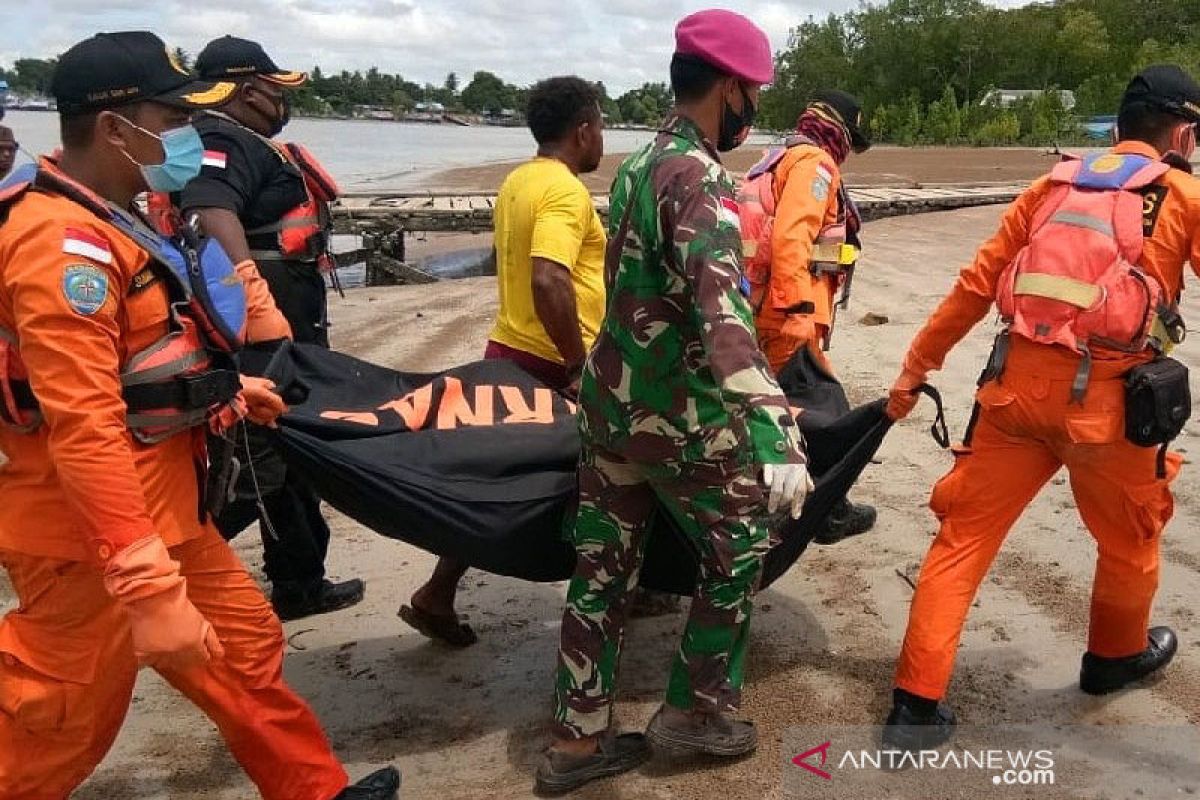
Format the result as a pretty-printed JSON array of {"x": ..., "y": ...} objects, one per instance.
[
  {"x": 820, "y": 187},
  {"x": 214, "y": 158},
  {"x": 1152, "y": 203},
  {"x": 729, "y": 212},
  {"x": 85, "y": 287}
]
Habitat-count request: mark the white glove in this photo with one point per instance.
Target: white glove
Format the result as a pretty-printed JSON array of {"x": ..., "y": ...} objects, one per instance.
[{"x": 789, "y": 483}]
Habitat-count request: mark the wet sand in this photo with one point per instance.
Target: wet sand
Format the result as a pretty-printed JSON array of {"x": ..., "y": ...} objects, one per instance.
[
  {"x": 879, "y": 166},
  {"x": 465, "y": 725}
]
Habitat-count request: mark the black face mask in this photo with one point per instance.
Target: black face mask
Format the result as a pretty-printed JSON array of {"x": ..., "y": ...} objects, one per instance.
[
  {"x": 735, "y": 127},
  {"x": 285, "y": 111},
  {"x": 282, "y": 107}
]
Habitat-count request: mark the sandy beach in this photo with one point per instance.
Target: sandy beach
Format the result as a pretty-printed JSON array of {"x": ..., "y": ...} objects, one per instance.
[{"x": 463, "y": 725}]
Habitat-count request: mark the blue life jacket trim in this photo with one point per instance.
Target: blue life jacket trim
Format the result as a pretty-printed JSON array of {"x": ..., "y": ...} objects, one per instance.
[{"x": 1112, "y": 178}]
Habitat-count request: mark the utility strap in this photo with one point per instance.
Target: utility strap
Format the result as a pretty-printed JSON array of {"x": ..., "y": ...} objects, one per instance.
[{"x": 938, "y": 430}]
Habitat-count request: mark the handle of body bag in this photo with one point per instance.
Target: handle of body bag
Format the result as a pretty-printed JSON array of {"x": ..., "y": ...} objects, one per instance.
[
  {"x": 938, "y": 430},
  {"x": 282, "y": 370},
  {"x": 273, "y": 361}
]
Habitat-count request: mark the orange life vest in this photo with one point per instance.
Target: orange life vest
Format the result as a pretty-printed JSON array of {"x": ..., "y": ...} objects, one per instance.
[
  {"x": 303, "y": 233},
  {"x": 1076, "y": 283},
  {"x": 181, "y": 380}
]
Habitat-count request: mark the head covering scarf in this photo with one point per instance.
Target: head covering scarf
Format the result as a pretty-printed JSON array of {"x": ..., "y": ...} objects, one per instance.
[
  {"x": 818, "y": 127},
  {"x": 827, "y": 133}
]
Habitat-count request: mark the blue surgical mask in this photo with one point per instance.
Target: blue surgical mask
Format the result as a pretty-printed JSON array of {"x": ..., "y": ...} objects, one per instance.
[{"x": 183, "y": 153}]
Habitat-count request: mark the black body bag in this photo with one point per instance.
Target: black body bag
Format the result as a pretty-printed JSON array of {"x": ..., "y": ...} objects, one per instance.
[{"x": 1158, "y": 401}]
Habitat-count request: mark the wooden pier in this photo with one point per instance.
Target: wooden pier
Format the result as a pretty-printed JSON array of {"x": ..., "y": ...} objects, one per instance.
[{"x": 383, "y": 219}]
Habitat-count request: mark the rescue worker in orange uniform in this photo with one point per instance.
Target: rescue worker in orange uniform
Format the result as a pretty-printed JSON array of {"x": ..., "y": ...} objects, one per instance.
[
  {"x": 1043, "y": 406},
  {"x": 813, "y": 246},
  {"x": 116, "y": 350}
]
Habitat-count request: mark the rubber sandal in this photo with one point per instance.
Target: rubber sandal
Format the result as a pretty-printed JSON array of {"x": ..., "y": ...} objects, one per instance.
[{"x": 442, "y": 628}]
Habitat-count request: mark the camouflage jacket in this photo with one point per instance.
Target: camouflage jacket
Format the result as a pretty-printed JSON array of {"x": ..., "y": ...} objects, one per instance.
[{"x": 676, "y": 373}]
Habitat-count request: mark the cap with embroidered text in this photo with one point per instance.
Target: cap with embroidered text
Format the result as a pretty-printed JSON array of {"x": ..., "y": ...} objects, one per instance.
[
  {"x": 115, "y": 69},
  {"x": 230, "y": 58}
]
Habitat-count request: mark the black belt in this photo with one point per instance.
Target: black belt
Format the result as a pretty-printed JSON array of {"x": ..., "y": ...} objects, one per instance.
[{"x": 188, "y": 392}]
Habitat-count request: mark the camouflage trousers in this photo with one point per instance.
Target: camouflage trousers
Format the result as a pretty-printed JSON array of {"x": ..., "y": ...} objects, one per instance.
[{"x": 721, "y": 508}]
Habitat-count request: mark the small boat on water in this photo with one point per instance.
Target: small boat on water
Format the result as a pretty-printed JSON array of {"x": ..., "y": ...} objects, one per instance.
[{"x": 15, "y": 102}]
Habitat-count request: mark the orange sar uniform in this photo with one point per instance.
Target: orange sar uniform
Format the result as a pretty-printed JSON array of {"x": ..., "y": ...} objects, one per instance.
[
  {"x": 807, "y": 182},
  {"x": 76, "y": 490},
  {"x": 1028, "y": 428}
]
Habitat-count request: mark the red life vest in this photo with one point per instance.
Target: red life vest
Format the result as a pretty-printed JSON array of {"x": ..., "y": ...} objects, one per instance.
[
  {"x": 1076, "y": 284},
  {"x": 181, "y": 380},
  {"x": 303, "y": 233}
]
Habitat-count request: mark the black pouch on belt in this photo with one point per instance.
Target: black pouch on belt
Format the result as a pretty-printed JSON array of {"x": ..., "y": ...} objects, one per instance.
[{"x": 1158, "y": 401}]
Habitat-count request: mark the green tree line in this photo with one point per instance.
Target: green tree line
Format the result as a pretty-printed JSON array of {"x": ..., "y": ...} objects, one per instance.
[
  {"x": 484, "y": 93},
  {"x": 338, "y": 94},
  {"x": 923, "y": 68}
]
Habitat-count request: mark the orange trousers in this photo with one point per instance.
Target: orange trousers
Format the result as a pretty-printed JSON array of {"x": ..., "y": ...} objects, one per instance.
[
  {"x": 780, "y": 344},
  {"x": 1027, "y": 430},
  {"x": 67, "y": 672}
]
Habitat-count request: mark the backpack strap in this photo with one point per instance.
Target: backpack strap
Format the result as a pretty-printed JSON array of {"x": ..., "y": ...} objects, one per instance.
[{"x": 1127, "y": 212}]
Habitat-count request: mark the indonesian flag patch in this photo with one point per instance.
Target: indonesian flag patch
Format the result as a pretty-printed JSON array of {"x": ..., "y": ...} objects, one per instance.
[
  {"x": 729, "y": 212},
  {"x": 79, "y": 242},
  {"x": 214, "y": 158}
]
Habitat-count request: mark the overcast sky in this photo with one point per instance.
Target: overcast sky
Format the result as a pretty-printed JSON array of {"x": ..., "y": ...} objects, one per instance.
[{"x": 621, "y": 42}]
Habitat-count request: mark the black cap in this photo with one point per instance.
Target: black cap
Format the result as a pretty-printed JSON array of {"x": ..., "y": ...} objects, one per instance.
[
  {"x": 114, "y": 69},
  {"x": 230, "y": 58},
  {"x": 1166, "y": 87},
  {"x": 848, "y": 111}
]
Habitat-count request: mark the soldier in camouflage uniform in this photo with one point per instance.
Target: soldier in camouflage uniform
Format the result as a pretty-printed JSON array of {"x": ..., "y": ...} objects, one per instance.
[{"x": 678, "y": 408}]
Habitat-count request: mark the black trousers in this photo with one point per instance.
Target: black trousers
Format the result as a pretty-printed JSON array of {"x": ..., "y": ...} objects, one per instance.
[
  {"x": 299, "y": 291},
  {"x": 295, "y": 536}
]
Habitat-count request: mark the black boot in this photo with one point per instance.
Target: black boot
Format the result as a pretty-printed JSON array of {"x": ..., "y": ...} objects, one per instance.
[
  {"x": 381, "y": 785},
  {"x": 1103, "y": 675},
  {"x": 917, "y": 723},
  {"x": 292, "y": 601},
  {"x": 845, "y": 520}
]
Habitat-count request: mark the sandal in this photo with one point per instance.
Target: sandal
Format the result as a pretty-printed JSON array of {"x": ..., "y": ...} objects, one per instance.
[{"x": 441, "y": 628}]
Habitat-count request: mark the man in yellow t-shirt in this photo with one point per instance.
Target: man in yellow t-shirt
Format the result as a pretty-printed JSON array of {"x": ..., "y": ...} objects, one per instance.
[{"x": 550, "y": 272}]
